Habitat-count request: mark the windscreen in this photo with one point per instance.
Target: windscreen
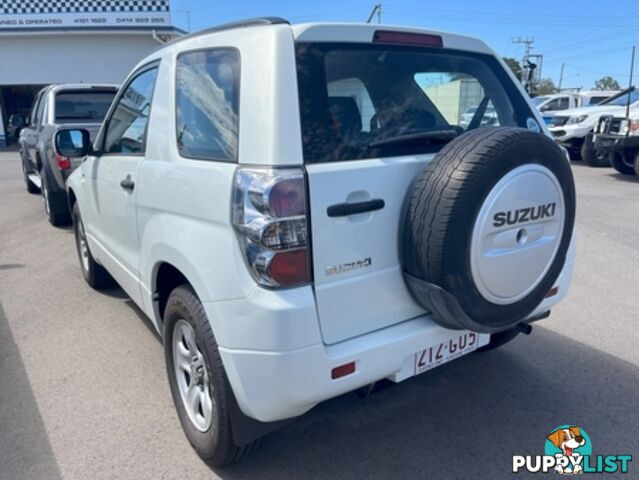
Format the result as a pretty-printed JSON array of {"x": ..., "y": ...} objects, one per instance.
[
  {"x": 362, "y": 101},
  {"x": 622, "y": 99},
  {"x": 82, "y": 106}
]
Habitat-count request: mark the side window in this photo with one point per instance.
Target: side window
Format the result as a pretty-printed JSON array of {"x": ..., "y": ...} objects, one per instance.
[
  {"x": 207, "y": 104},
  {"x": 126, "y": 130},
  {"x": 554, "y": 105},
  {"x": 34, "y": 110},
  {"x": 564, "y": 103},
  {"x": 39, "y": 120}
]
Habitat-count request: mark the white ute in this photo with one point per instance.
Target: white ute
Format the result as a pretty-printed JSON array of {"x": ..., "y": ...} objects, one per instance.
[
  {"x": 300, "y": 214},
  {"x": 570, "y": 128}
]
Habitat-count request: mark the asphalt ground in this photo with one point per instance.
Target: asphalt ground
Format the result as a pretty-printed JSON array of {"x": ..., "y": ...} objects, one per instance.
[{"x": 84, "y": 395}]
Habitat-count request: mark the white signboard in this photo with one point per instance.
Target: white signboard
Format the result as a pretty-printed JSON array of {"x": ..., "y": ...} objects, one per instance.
[{"x": 21, "y": 14}]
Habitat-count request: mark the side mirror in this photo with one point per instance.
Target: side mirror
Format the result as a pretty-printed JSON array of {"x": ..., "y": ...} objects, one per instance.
[
  {"x": 72, "y": 142},
  {"x": 17, "y": 121}
]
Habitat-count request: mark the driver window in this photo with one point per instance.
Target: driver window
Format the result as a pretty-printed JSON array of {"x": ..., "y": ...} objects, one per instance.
[
  {"x": 126, "y": 131},
  {"x": 458, "y": 98}
]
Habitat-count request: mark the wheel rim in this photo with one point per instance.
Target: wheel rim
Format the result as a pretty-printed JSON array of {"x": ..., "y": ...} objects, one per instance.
[
  {"x": 192, "y": 376},
  {"x": 83, "y": 247}
]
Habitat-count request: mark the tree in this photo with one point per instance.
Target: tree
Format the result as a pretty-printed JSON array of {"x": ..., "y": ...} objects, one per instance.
[
  {"x": 607, "y": 83},
  {"x": 514, "y": 65},
  {"x": 545, "y": 86}
]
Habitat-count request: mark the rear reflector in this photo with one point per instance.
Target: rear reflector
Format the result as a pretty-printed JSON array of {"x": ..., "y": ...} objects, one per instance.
[
  {"x": 343, "y": 370},
  {"x": 407, "y": 38},
  {"x": 552, "y": 292}
]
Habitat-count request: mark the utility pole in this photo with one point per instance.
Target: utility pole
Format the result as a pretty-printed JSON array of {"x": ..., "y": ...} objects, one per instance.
[
  {"x": 188, "y": 18},
  {"x": 528, "y": 68},
  {"x": 561, "y": 77},
  {"x": 377, "y": 9}
]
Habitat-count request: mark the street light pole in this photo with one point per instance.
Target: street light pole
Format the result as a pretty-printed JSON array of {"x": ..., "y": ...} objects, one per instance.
[{"x": 188, "y": 18}]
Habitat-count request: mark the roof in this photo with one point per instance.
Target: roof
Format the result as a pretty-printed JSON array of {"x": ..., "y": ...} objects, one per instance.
[{"x": 83, "y": 86}]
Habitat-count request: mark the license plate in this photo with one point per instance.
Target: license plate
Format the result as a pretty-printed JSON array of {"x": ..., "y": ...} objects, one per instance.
[{"x": 445, "y": 351}]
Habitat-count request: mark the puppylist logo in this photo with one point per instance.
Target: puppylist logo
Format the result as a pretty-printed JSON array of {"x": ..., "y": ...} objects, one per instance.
[{"x": 568, "y": 451}]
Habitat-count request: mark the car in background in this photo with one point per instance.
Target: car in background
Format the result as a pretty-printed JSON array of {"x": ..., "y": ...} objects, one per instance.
[
  {"x": 550, "y": 105},
  {"x": 69, "y": 105},
  {"x": 617, "y": 140},
  {"x": 571, "y": 127},
  {"x": 489, "y": 117}
]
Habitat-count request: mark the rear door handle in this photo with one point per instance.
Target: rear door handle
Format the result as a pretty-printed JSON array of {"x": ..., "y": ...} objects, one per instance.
[
  {"x": 346, "y": 208},
  {"x": 127, "y": 183}
]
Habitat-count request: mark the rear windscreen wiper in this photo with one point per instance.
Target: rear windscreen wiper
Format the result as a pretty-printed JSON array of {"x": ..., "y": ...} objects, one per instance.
[{"x": 430, "y": 136}]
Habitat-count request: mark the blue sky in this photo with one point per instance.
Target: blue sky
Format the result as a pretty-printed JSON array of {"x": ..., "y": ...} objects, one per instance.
[{"x": 592, "y": 37}]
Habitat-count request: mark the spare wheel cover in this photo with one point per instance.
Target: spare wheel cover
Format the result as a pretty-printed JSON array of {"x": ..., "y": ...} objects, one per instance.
[{"x": 513, "y": 249}]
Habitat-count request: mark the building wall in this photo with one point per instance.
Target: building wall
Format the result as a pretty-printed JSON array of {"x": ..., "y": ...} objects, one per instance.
[{"x": 67, "y": 57}]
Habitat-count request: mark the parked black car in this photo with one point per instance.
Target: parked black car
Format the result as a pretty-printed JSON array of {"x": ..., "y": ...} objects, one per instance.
[
  {"x": 76, "y": 106},
  {"x": 617, "y": 138}
]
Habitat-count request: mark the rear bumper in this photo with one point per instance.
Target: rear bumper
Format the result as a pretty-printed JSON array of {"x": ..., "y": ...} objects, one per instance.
[{"x": 275, "y": 384}]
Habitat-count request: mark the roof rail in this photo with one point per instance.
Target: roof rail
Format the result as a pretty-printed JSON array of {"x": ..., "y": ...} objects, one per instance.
[{"x": 251, "y": 22}]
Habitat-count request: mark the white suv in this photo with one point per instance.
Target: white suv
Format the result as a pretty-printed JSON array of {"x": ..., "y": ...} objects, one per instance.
[{"x": 299, "y": 213}]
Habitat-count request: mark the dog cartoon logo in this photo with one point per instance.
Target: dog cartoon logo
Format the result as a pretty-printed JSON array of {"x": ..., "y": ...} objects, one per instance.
[
  {"x": 568, "y": 451},
  {"x": 571, "y": 442}
]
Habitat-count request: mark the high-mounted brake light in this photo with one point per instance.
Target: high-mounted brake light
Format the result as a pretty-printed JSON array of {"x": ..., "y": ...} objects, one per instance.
[
  {"x": 407, "y": 38},
  {"x": 64, "y": 163},
  {"x": 269, "y": 216}
]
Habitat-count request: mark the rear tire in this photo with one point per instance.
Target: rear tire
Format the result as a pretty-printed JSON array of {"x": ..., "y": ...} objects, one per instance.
[
  {"x": 618, "y": 163},
  {"x": 592, "y": 158},
  {"x": 56, "y": 219},
  {"x": 94, "y": 274},
  {"x": 194, "y": 368}
]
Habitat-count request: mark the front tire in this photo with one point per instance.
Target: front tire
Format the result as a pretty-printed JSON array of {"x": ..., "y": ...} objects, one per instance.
[
  {"x": 201, "y": 391},
  {"x": 94, "y": 274},
  {"x": 592, "y": 158},
  {"x": 619, "y": 163}
]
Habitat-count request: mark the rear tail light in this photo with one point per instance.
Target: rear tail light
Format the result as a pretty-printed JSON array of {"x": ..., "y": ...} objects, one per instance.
[
  {"x": 64, "y": 163},
  {"x": 269, "y": 214}
]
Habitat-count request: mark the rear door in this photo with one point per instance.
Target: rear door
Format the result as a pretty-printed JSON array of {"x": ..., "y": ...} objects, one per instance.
[
  {"x": 29, "y": 133},
  {"x": 359, "y": 107}
]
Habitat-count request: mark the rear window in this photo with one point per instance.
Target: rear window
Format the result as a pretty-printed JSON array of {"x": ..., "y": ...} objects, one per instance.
[
  {"x": 79, "y": 106},
  {"x": 362, "y": 101},
  {"x": 596, "y": 100}
]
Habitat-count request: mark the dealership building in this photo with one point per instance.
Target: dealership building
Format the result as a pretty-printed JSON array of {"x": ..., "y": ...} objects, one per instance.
[{"x": 45, "y": 42}]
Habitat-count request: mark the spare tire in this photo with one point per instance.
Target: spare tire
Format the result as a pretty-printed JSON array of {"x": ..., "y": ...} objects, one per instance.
[{"x": 487, "y": 228}]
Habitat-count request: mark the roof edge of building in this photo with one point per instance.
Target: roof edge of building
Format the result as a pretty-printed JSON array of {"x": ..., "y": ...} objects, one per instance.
[{"x": 91, "y": 30}]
